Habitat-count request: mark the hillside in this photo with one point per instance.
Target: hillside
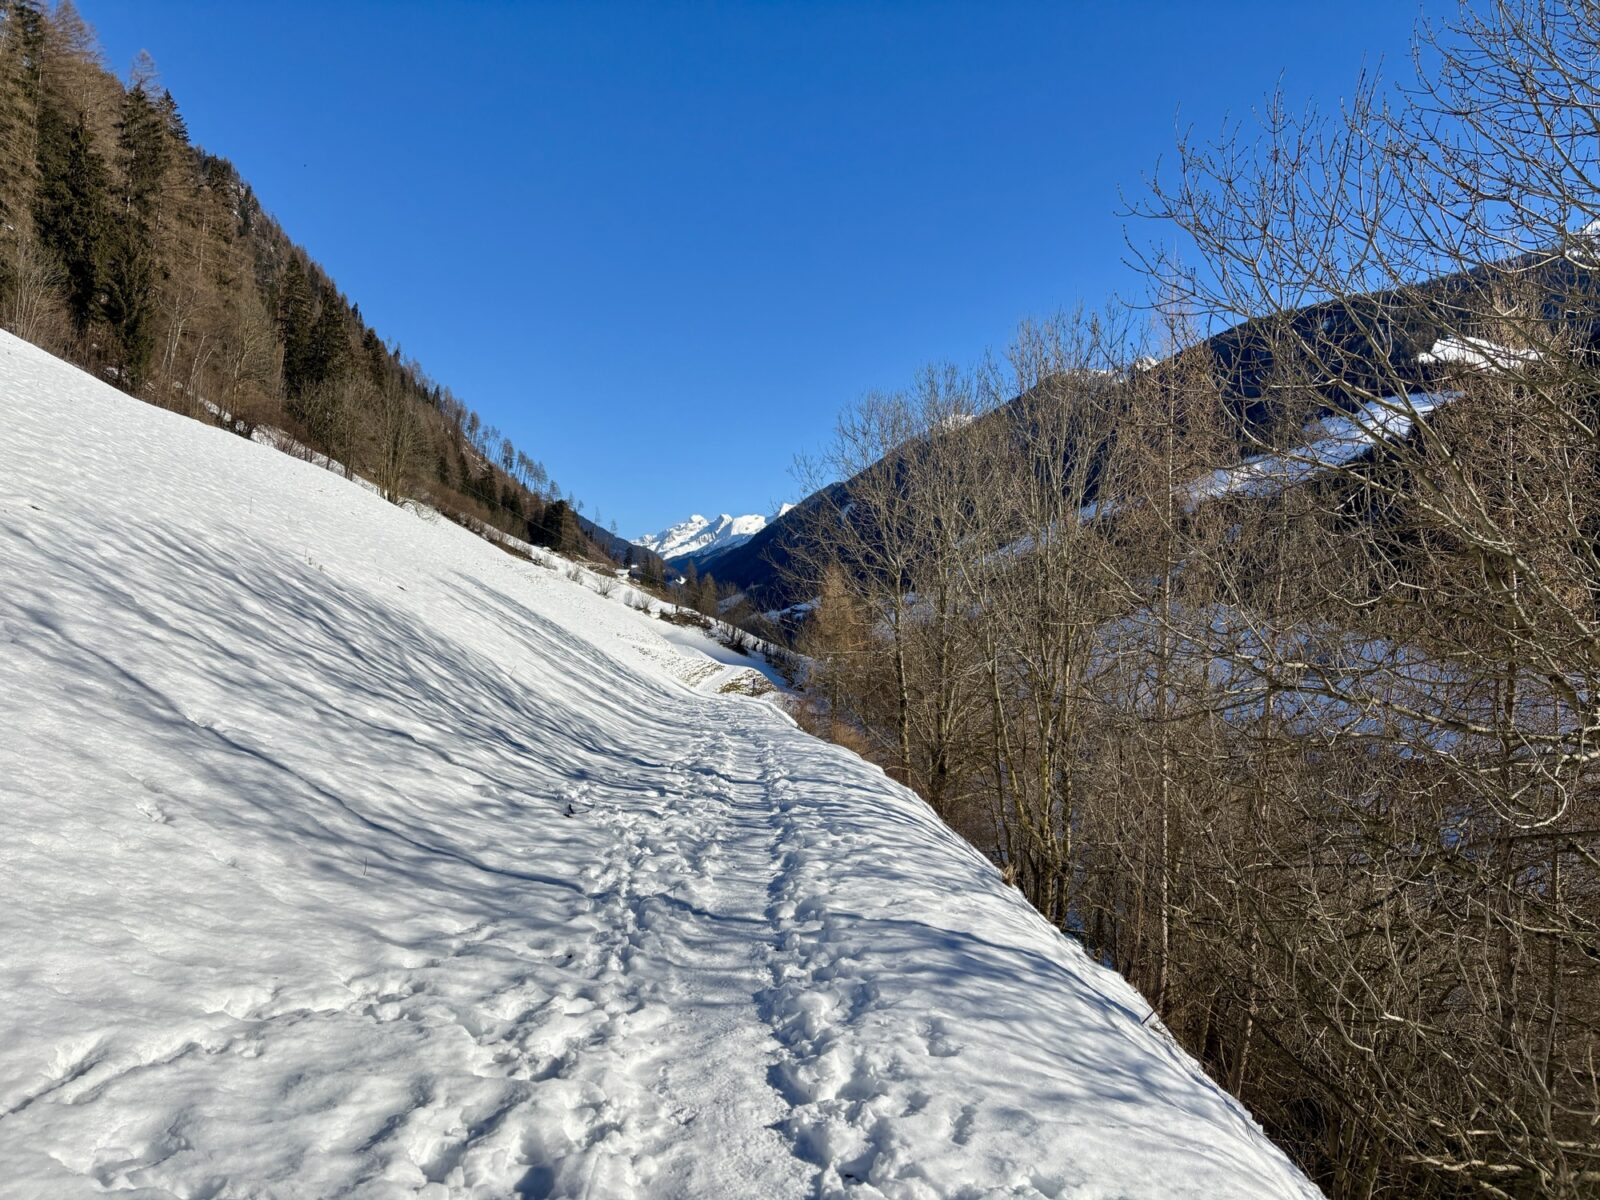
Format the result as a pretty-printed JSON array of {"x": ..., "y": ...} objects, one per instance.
[
  {"x": 151, "y": 262},
  {"x": 1379, "y": 344},
  {"x": 349, "y": 855}
]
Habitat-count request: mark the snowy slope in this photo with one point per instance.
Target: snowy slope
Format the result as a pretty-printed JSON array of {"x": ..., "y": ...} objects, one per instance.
[
  {"x": 347, "y": 855},
  {"x": 1334, "y": 441},
  {"x": 698, "y": 535}
]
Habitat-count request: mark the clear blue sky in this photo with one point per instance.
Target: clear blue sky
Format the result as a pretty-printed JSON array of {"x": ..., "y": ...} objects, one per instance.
[{"x": 661, "y": 244}]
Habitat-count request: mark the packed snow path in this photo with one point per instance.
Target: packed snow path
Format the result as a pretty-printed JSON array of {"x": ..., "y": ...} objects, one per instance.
[{"x": 346, "y": 855}]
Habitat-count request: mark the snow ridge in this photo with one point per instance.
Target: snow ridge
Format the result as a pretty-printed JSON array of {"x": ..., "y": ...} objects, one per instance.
[
  {"x": 348, "y": 855},
  {"x": 697, "y": 535}
]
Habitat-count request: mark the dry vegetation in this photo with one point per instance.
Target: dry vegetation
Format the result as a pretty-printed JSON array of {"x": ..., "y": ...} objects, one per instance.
[{"x": 1313, "y": 765}]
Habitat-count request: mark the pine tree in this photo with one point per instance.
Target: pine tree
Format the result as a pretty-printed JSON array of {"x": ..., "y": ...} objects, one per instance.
[
  {"x": 705, "y": 596},
  {"x": 123, "y": 246},
  {"x": 557, "y": 528},
  {"x": 21, "y": 47},
  {"x": 130, "y": 276},
  {"x": 294, "y": 330},
  {"x": 376, "y": 355},
  {"x": 172, "y": 120},
  {"x": 71, "y": 209},
  {"x": 142, "y": 153},
  {"x": 330, "y": 345},
  {"x": 128, "y": 301}
]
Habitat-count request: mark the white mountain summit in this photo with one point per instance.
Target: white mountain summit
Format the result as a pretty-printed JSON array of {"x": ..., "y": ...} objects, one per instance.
[{"x": 699, "y": 534}]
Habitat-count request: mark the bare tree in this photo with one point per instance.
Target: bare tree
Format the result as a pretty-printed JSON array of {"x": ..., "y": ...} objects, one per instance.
[
  {"x": 397, "y": 432},
  {"x": 1444, "y": 933},
  {"x": 1274, "y": 668},
  {"x": 32, "y": 305}
]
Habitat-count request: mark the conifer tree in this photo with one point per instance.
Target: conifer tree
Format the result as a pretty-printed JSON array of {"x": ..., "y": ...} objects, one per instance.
[
  {"x": 294, "y": 330},
  {"x": 705, "y": 595},
  {"x": 70, "y": 212},
  {"x": 172, "y": 120},
  {"x": 330, "y": 347},
  {"x": 142, "y": 154},
  {"x": 21, "y": 46},
  {"x": 127, "y": 302},
  {"x": 130, "y": 275},
  {"x": 139, "y": 255},
  {"x": 557, "y": 528}
]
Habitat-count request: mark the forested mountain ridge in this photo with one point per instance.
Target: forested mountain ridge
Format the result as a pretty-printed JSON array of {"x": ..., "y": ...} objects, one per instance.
[
  {"x": 151, "y": 262},
  {"x": 1368, "y": 345}
]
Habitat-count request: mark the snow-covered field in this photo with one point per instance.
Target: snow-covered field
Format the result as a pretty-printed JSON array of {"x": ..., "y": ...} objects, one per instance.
[{"x": 345, "y": 854}]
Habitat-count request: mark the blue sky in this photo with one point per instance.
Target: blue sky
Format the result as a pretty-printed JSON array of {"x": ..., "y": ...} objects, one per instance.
[{"x": 660, "y": 245}]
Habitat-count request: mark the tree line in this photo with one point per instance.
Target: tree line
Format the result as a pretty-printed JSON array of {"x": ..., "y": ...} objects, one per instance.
[
  {"x": 150, "y": 262},
  {"x": 1274, "y": 677}
]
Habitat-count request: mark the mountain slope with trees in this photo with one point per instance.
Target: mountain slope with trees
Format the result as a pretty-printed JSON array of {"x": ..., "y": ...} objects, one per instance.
[{"x": 150, "y": 262}]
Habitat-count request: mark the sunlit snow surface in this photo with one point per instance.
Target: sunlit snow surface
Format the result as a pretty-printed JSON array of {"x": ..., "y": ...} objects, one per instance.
[
  {"x": 1332, "y": 442},
  {"x": 344, "y": 854}
]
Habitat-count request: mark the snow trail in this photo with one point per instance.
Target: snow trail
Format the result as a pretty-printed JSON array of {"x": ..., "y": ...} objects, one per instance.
[{"x": 345, "y": 855}]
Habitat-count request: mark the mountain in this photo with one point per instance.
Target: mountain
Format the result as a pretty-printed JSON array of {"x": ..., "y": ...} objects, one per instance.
[
  {"x": 152, "y": 262},
  {"x": 757, "y": 564},
  {"x": 618, "y": 548},
  {"x": 1368, "y": 344},
  {"x": 348, "y": 855},
  {"x": 700, "y": 537}
]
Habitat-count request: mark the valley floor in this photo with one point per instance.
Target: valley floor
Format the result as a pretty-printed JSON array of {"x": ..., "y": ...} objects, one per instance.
[{"x": 346, "y": 855}]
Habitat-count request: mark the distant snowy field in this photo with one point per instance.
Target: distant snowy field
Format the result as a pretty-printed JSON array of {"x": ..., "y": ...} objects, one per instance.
[{"x": 346, "y": 855}]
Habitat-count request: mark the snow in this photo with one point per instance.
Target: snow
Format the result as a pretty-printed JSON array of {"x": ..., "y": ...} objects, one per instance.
[
  {"x": 1479, "y": 354},
  {"x": 796, "y": 611},
  {"x": 1334, "y": 441},
  {"x": 698, "y": 535},
  {"x": 348, "y": 855},
  {"x": 1331, "y": 442}
]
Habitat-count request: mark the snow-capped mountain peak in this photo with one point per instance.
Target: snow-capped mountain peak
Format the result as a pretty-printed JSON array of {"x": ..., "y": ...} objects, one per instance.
[{"x": 699, "y": 534}]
